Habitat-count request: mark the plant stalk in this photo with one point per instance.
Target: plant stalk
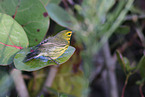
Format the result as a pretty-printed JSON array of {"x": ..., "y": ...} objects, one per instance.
[
  {"x": 19, "y": 83},
  {"x": 110, "y": 66}
]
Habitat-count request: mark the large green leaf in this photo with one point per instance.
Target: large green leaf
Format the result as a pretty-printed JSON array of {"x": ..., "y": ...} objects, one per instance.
[
  {"x": 60, "y": 16},
  {"x": 36, "y": 64},
  {"x": 12, "y": 39},
  {"x": 31, "y": 14}
]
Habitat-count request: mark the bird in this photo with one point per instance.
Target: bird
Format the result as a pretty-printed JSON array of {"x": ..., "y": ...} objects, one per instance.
[{"x": 51, "y": 48}]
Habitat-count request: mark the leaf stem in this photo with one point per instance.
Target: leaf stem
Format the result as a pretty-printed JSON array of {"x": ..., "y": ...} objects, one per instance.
[
  {"x": 140, "y": 90},
  {"x": 15, "y": 12},
  {"x": 124, "y": 87}
]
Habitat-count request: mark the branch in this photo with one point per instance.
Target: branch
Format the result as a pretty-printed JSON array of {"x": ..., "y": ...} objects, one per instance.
[
  {"x": 49, "y": 79},
  {"x": 51, "y": 76},
  {"x": 110, "y": 66},
  {"x": 134, "y": 17},
  {"x": 141, "y": 36},
  {"x": 19, "y": 83}
]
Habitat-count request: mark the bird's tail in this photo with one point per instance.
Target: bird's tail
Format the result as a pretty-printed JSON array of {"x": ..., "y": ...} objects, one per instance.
[{"x": 31, "y": 55}]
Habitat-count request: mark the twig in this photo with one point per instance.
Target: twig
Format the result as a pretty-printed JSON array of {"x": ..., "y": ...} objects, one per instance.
[
  {"x": 71, "y": 2},
  {"x": 140, "y": 90},
  {"x": 141, "y": 36},
  {"x": 19, "y": 83},
  {"x": 51, "y": 76},
  {"x": 124, "y": 87},
  {"x": 15, "y": 13},
  {"x": 65, "y": 4},
  {"x": 110, "y": 65},
  {"x": 16, "y": 9},
  {"x": 49, "y": 79},
  {"x": 134, "y": 17}
]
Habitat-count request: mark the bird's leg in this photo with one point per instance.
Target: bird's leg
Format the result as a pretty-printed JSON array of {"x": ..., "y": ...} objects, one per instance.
[{"x": 53, "y": 60}]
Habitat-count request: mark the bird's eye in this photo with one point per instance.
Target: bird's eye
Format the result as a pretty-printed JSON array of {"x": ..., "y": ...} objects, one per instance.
[{"x": 69, "y": 33}]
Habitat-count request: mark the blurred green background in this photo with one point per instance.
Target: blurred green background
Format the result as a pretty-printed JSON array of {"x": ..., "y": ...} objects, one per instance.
[{"x": 109, "y": 37}]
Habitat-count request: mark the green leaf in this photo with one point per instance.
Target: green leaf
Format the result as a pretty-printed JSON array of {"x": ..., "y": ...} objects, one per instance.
[
  {"x": 11, "y": 34},
  {"x": 141, "y": 66},
  {"x": 6, "y": 82},
  {"x": 120, "y": 60},
  {"x": 60, "y": 16},
  {"x": 127, "y": 64},
  {"x": 139, "y": 82},
  {"x": 36, "y": 64},
  {"x": 124, "y": 62},
  {"x": 45, "y": 2},
  {"x": 31, "y": 14}
]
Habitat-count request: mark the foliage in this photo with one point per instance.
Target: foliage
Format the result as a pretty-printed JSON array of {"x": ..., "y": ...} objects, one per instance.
[
  {"x": 31, "y": 16},
  {"x": 6, "y": 82},
  {"x": 97, "y": 28},
  {"x": 25, "y": 23}
]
